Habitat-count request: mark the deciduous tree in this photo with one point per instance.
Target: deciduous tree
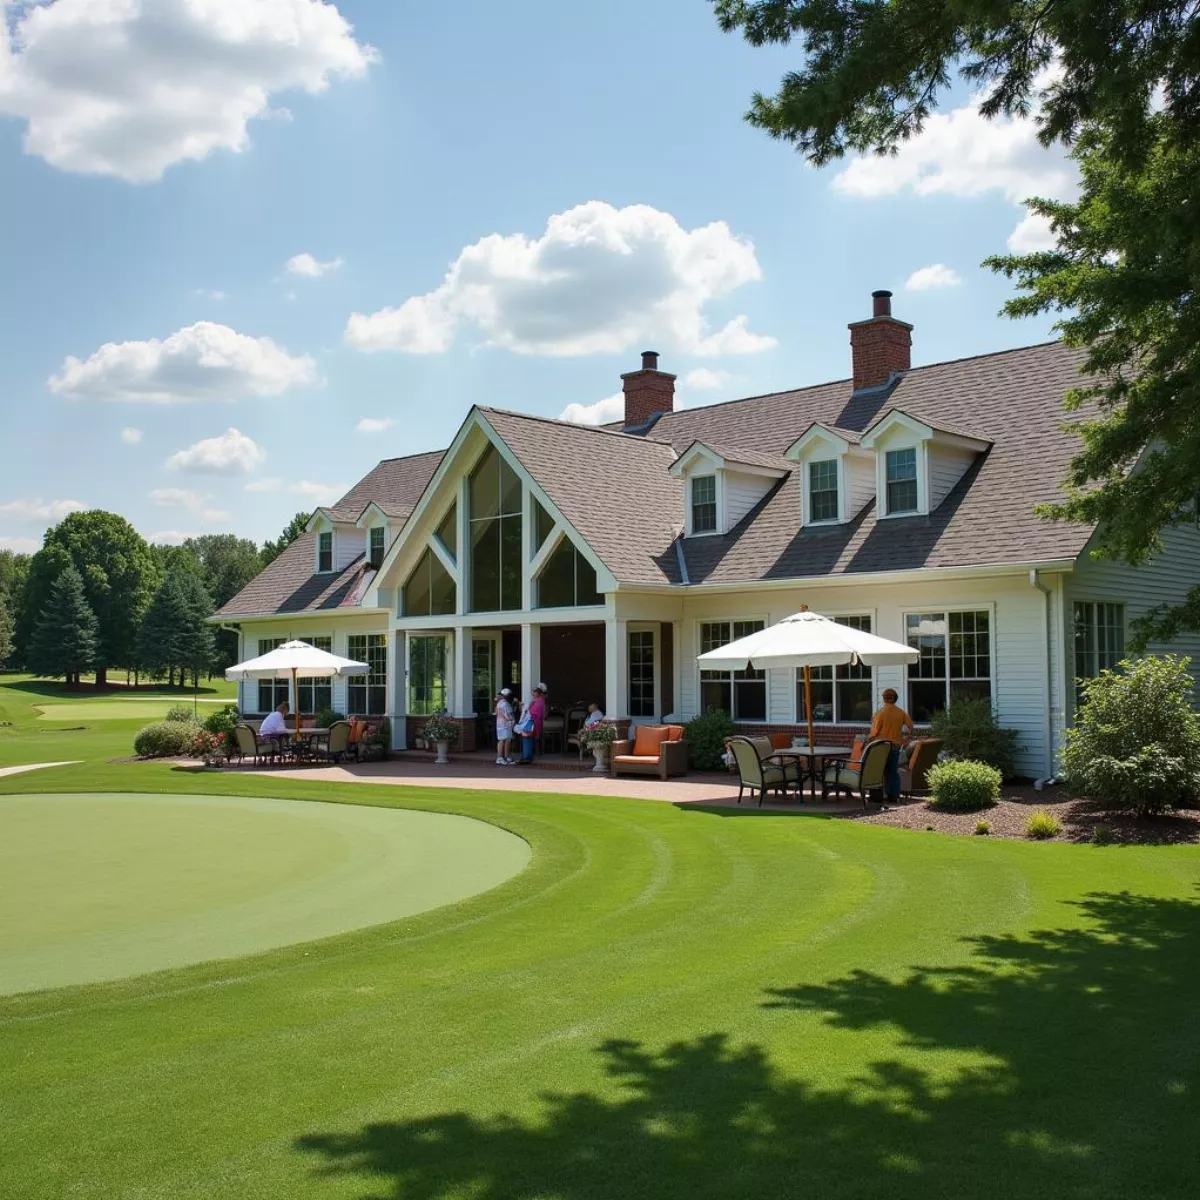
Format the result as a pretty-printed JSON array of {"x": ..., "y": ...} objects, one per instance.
[{"x": 294, "y": 528}]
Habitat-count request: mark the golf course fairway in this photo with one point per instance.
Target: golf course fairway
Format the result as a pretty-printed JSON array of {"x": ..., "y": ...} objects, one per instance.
[{"x": 103, "y": 886}]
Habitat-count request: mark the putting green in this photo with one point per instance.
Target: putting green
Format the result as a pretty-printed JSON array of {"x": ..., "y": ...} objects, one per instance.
[
  {"x": 101, "y": 886},
  {"x": 118, "y": 710}
]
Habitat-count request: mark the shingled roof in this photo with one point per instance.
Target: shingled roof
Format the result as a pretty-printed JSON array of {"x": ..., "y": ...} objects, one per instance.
[{"x": 616, "y": 489}]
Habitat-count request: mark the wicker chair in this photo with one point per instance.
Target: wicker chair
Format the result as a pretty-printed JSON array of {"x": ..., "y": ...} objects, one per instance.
[
  {"x": 249, "y": 745},
  {"x": 864, "y": 776},
  {"x": 754, "y": 774}
]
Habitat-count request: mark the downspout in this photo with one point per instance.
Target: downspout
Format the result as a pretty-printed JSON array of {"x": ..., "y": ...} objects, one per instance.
[
  {"x": 241, "y": 655},
  {"x": 1035, "y": 581}
]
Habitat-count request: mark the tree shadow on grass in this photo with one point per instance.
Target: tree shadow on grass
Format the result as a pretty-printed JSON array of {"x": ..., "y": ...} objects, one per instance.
[{"x": 1062, "y": 1065}]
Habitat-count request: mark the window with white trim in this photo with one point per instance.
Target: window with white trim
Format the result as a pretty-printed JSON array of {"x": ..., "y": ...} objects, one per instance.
[
  {"x": 641, "y": 673},
  {"x": 272, "y": 692},
  {"x": 901, "y": 468},
  {"x": 316, "y": 694},
  {"x": 324, "y": 552},
  {"x": 704, "y": 504},
  {"x": 823, "y": 491},
  {"x": 366, "y": 695},
  {"x": 375, "y": 546},
  {"x": 742, "y": 694},
  {"x": 839, "y": 694},
  {"x": 1099, "y": 640},
  {"x": 955, "y": 659}
]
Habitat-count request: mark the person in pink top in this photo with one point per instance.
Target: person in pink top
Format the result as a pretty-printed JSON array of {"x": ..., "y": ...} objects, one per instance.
[{"x": 535, "y": 711}]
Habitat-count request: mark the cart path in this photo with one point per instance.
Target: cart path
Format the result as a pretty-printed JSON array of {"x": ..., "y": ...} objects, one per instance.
[{"x": 37, "y": 766}]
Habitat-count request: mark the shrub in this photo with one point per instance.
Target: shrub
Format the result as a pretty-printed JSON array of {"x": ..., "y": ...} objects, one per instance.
[
  {"x": 603, "y": 733},
  {"x": 223, "y": 720},
  {"x": 327, "y": 717},
  {"x": 165, "y": 739},
  {"x": 961, "y": 786},
  {"x": 1136, "y": 741},
  {"x": 968, "y": 730},
  {"x": 982, "y": 828},
  {"x": 181, "y": 713},
  {"x": 205, "y": 744},
  {"x": 1043, "y": 825},
  {"x": 1102, "y": 835},
  {"x": 706, "y": 736}
]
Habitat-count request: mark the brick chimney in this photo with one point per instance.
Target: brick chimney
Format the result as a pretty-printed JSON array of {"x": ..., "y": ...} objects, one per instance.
[
  {"x": 648, "y": 392},
  {"x": 879, "y": 347}
]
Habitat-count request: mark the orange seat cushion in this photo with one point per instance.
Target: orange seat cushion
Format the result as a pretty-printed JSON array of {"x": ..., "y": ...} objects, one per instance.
[
  {"x": 648, "y": 739},
  {"x": 636, "y": 758},
  {"x": 780, "y": 741},
  {"x": 856, "y": 750}
]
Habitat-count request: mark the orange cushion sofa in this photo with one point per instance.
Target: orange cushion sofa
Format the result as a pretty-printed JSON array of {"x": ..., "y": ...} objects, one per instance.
[{"x": 655, "y": 750}]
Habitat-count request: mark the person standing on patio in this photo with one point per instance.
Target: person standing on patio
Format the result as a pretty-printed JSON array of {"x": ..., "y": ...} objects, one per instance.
[
  {"x": 891, "y": 724},
  {"x": 535, "y": 714},
  {"x": 504, "y": 727}
]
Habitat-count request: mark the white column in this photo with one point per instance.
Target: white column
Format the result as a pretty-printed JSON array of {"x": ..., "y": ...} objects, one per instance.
[
  {"x": 460, "y": 677},
  {"x": 616, "y": 668},
  {"x": 399, "y": 688},
  {"x": 531, "y": 658},
  {"x": 677, "y": 667}
]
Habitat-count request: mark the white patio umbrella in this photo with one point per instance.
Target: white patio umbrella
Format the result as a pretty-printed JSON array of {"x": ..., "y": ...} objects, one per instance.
[
  {"x": 295, "y": 661},
  {"x": 807, "y": 639}
]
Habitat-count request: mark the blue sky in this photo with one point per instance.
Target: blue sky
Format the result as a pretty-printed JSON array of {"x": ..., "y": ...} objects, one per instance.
[{"x": 164, "y": 161}]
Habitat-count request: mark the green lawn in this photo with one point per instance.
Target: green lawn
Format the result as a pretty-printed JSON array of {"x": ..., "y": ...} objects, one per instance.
[{"x": 664, "y": 1004}]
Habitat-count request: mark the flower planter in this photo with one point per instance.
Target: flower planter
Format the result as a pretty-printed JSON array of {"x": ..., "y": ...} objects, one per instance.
[
  {"x": 601, "y": 755},
  {"x": 443, "y": 753}
]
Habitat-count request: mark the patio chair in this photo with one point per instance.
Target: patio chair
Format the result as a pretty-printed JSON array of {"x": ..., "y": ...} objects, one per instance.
[
  {"x": 337, "y": 745},
  {"x": 249, "y": 745},
  {"x": 655, "y": 750},
  {"x": 914, "y": 777},
  {"x": 554, "y": 726},
  {"x": 863, "y": 776},
  {"x": 754, "y": 774}
]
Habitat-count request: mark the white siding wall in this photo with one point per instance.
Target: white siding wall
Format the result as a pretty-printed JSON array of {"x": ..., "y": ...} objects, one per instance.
[
  {"x": 742, "y": 493},
  {"x": 860, "y": 483},
  {"x": 1019, "y": 674},
  {"x": 348, "y": 544},
  {"x": 947, "y": 465},
  {"x": 1164, "y": 580}
]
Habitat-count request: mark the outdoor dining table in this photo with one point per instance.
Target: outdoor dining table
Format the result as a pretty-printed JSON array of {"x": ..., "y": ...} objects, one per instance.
[
  {"x": 288, "y": 743},
  {"x": 809, "y": 756}
]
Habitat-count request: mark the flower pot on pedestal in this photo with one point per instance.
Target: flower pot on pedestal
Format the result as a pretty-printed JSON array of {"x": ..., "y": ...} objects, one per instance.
[
  {"x": 443, "y": 752},
  {"x": 601, "y": 754}
]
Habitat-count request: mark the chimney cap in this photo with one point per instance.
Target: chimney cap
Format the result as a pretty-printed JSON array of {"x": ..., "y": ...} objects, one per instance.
[
  {"x": 649, "y": 360},
  {"x": 881, "y": 303},
  {"x": 881, "y": 292}
]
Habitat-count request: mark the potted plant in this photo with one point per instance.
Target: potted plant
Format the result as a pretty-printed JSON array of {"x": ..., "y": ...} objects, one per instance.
[
  {"x": 443, "y": 733},
  {"x": 600, "y": 739}
]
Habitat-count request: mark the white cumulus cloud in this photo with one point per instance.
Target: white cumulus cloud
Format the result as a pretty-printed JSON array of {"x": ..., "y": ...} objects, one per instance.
[
  {"x": 705, "y": 379},
  {"x": 307, "y": 266},
  {"x": 603, "y": 412},
  {"x": 127, "y": 88},
  {"x": 321, "y": 494},
  {"x": 268, "y": 483},
  {"x": 599, "y": 279},
  {"x": 192, "y": 501},
  {"x": 171, "y": 537},
  {"x": 20, "y": 545},
  {"x": 232, "y": 453},
  {"x": 962, "y": 153},
  {"x": 374, "y": 424},
  {"x": 48, "y": 512},
  {"x": 204, "y": 361},
  {"x": 131, "y": 435},
  {"x": 1033, "y": 233},
  {"x": 938, "y": 275}
]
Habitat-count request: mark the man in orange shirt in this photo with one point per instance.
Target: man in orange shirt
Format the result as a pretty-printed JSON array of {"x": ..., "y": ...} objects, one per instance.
[{"x": 892, "y": 724}]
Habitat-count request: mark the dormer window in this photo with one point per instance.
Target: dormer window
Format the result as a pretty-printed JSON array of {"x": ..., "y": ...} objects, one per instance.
[
  {"x": 823, "y": 490},
  {"x": 324, "y": 552},
  {"x": 704, "y": 503},
  {"x": 376, "y": 546},
  {"x": 902, "y": 481}
]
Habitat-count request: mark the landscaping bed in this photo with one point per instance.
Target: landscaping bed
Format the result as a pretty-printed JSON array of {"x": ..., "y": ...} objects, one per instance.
[{"x": 1018, "y": 803}]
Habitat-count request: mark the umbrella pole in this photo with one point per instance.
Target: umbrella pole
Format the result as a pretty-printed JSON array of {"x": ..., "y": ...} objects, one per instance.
[
  {"x": 296, "y": 705},
  {"x": 808, "y": 705}
]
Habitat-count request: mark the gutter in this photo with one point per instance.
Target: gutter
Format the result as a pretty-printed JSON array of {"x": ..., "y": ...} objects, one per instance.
[{"x": 1035, "y": 581}]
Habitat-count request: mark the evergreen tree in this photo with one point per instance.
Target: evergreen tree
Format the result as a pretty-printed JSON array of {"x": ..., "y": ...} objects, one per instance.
[
  {"x": 175, "y": 635},
  {"x": 65, "y": 643},
  {"x": 6, "y": 629},
  {"x": 196, "y": 642}
]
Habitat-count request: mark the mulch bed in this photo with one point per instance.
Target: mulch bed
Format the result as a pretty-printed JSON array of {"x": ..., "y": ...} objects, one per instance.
[{"x": 1007, "y": 819}]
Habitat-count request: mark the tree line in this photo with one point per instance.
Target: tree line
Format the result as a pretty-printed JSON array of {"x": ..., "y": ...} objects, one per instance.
[{"x": 98, "y": 597}]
